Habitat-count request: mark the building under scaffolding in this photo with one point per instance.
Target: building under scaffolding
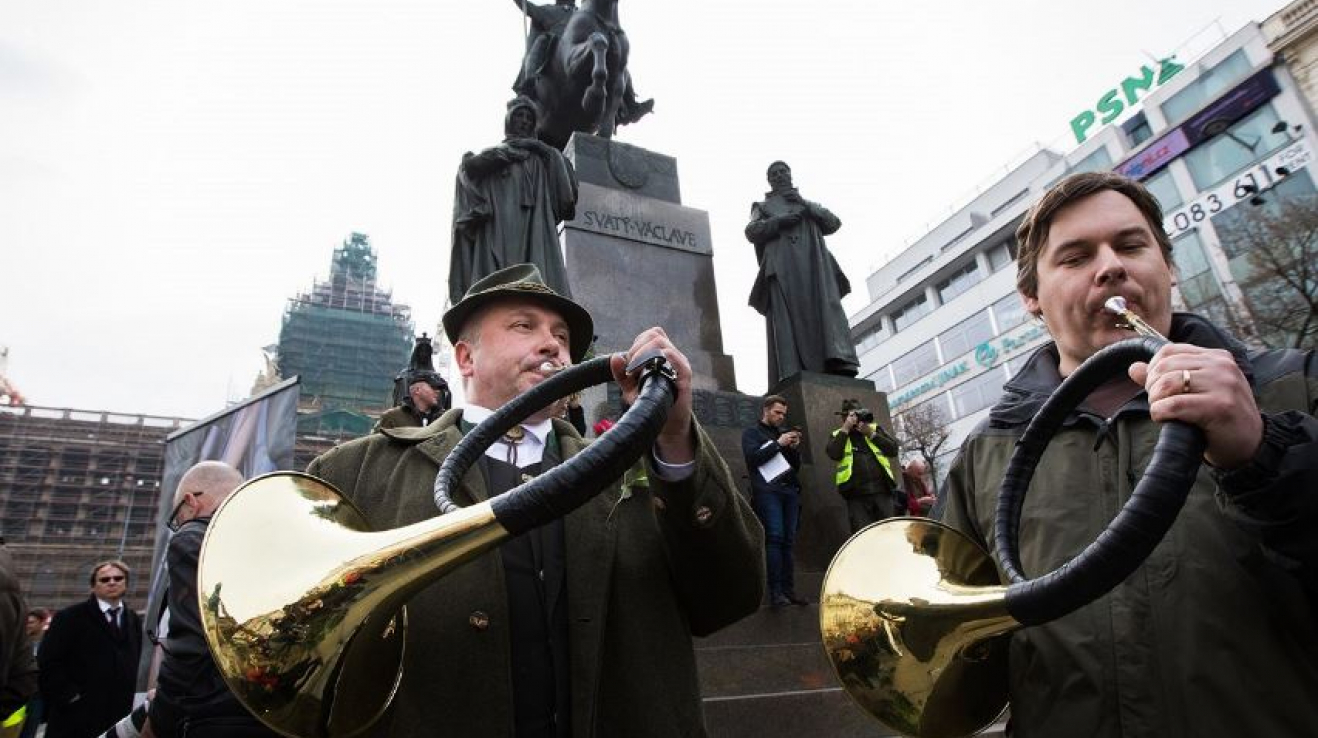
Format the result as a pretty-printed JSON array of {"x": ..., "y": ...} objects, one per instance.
[
  {"x": 78, "y": 487},
  {"x": 347, "y": 339}
]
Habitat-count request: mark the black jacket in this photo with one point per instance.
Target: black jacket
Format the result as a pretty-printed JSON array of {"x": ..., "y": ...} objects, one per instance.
[
  {"x": 88, "y": 674},
  {"x": 190, "y": 685},
  {"x": 18, "y": 671},
  {"x": 758, "y": 445}
]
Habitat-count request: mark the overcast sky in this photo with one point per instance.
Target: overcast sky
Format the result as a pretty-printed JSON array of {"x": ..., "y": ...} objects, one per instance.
[{"x": 172, "y": 172}]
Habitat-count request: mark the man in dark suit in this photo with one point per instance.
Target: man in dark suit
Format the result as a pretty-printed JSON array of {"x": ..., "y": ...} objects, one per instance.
[{"x": 88, "y": 658}]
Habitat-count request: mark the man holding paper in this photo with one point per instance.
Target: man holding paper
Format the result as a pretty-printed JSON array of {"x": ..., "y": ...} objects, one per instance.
[{"x": 772, "y": 460}]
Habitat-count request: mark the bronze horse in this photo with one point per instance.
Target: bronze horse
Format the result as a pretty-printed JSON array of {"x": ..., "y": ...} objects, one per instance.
[{"x": 586, "y": 81}]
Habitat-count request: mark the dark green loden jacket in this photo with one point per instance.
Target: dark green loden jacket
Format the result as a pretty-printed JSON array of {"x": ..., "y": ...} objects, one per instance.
[
  {"x": 643, "y": 576},
  {"x": 1215, "y": 635},
  {"x": 18, "y": 667}
]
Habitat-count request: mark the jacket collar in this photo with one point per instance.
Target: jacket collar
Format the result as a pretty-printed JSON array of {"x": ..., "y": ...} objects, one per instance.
[
  {"x": 1025, "y": 393},
  {"x": 437, "y": 440}
]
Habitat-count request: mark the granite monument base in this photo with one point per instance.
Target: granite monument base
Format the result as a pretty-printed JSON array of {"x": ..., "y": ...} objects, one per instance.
[
  {"x": 637, "y": 257},
  {"x": 813, "y": 401}
]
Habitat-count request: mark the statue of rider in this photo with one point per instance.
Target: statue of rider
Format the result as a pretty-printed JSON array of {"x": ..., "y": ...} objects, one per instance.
[{"x": 548, "y": 22}]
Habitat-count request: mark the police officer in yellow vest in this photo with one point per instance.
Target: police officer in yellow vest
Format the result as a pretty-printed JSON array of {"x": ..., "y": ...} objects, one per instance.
[{"x": 865, "y": 479}]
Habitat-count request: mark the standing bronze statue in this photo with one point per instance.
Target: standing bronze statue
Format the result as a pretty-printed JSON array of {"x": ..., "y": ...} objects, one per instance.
[
  {"x": 799, "y": 287},
  {"x": 575, "y": 68},
  {"x": 509, "y": 201}
]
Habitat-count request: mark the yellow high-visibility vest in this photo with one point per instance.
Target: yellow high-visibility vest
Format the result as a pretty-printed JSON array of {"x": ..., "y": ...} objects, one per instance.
[
  {"x": 844, "y": 465},
  {"x": 15, "y": 719}
]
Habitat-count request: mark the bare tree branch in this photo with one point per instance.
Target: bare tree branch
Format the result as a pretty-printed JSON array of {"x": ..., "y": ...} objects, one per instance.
[
  {"x": 923, "y": 428},
  {"x": 1280, "y": 244}
]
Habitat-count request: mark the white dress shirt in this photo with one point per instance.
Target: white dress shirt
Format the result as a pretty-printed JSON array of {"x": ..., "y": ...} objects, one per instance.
[
  {"x": 532, "y": 446},
  {"x": 105, "y": 611},
  {"x": 529, "y": 450}
]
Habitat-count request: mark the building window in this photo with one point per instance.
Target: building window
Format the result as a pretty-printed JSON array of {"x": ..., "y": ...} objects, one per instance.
[
  {"x": 1194, "y": 275},
  {"x": 882, "y": 379},
  {"x": 1001, "y": 255},
  {"x": 1207, "y": 87},
  {"x": 1230, "y": 223},
  {"x": 966, "y": 335},
  {"x": 919, "y": 361},
  {"x": 978, "y": 393},
  {"x": 1265, "y": 290},
  {"x": 939, "y": 404},
  {"x": 1163, "y": 187},
  {"x": 958, "y": 282},
  {"x": 1099, "y": 160},
  {"x": 1010, "y": 312},
  {"x": 1220, "y": 313},
  {"x": 1241, "y": 145},
  {"x": 871, "y": 338},
  {"x": 1137, "y": 129},
  {"x": 911, "y": 312}
]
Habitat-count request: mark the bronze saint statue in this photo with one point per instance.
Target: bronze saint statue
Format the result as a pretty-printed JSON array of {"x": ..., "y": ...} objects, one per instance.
[
  {"x": 509, "y": 201},
  {"x": 799, "y": 287},
  {"x": 575, "y": 68}
]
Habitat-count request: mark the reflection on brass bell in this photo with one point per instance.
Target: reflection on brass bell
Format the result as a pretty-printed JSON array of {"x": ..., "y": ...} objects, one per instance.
[{"x": 479, "y": 620}]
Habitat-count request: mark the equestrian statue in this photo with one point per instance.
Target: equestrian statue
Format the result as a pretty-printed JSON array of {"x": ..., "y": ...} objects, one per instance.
[{"x": 575, "y": 68}]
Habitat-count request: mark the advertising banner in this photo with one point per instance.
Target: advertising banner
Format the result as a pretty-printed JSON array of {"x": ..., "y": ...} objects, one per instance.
[{"x": 255, "y": 437}]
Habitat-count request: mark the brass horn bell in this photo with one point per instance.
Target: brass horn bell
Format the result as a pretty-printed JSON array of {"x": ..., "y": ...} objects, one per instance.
[
  {"x": 908, "y": 615},
  {"x": 302, "y": 603}
]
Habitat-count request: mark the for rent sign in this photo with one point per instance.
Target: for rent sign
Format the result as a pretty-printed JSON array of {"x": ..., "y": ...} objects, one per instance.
[{"x": 1245, "y": 185}]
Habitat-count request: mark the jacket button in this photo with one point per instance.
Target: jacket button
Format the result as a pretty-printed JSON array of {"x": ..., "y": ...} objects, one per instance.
[
  {"x": 703, "y": 516},
  {"x": 478, "y": 620}
]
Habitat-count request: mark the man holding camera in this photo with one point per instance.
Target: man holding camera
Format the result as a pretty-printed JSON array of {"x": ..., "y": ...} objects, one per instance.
[{"x": 864, "y": 470}]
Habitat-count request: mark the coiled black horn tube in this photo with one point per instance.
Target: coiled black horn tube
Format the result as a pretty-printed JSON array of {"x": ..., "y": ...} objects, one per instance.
[
  {"x": 1132, "y": 535},
  {"x": 569, "y": 485}
]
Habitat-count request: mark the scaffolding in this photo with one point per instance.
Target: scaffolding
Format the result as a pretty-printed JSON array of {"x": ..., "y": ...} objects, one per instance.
[
  {"x": 79, "y": 487},
  {"x": 346, "y": 338}
]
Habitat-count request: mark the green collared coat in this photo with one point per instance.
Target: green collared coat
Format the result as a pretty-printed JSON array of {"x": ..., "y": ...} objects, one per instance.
[
  {"x": 1216, "y": 634},
  {"x": 646, "y": 570}
]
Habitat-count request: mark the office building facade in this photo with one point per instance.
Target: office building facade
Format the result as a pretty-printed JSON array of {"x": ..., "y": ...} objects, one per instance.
[{"x": 1218, "y": 139}]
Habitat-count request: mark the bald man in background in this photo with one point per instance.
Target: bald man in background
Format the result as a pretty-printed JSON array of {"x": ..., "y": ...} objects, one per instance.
[{"x": 191, "y": 696}]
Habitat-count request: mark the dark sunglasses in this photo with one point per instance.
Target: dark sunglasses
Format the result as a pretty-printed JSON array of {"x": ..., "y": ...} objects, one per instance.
[
  {"x": 107, "y": 580},
  {"x": 173, "y": 523}
]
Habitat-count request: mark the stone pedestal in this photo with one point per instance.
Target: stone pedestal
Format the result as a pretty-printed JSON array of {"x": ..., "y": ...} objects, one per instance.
[
  {"x": 636, "y": 257},
  {"x": 812, "y": 403}
]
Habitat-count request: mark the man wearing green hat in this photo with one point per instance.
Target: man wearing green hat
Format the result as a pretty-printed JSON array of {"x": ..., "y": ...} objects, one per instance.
[{"x": 583, "y": 626}]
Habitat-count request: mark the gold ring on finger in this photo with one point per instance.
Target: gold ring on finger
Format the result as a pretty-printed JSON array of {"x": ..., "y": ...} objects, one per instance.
[{"x": 1185, "y": 381}]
